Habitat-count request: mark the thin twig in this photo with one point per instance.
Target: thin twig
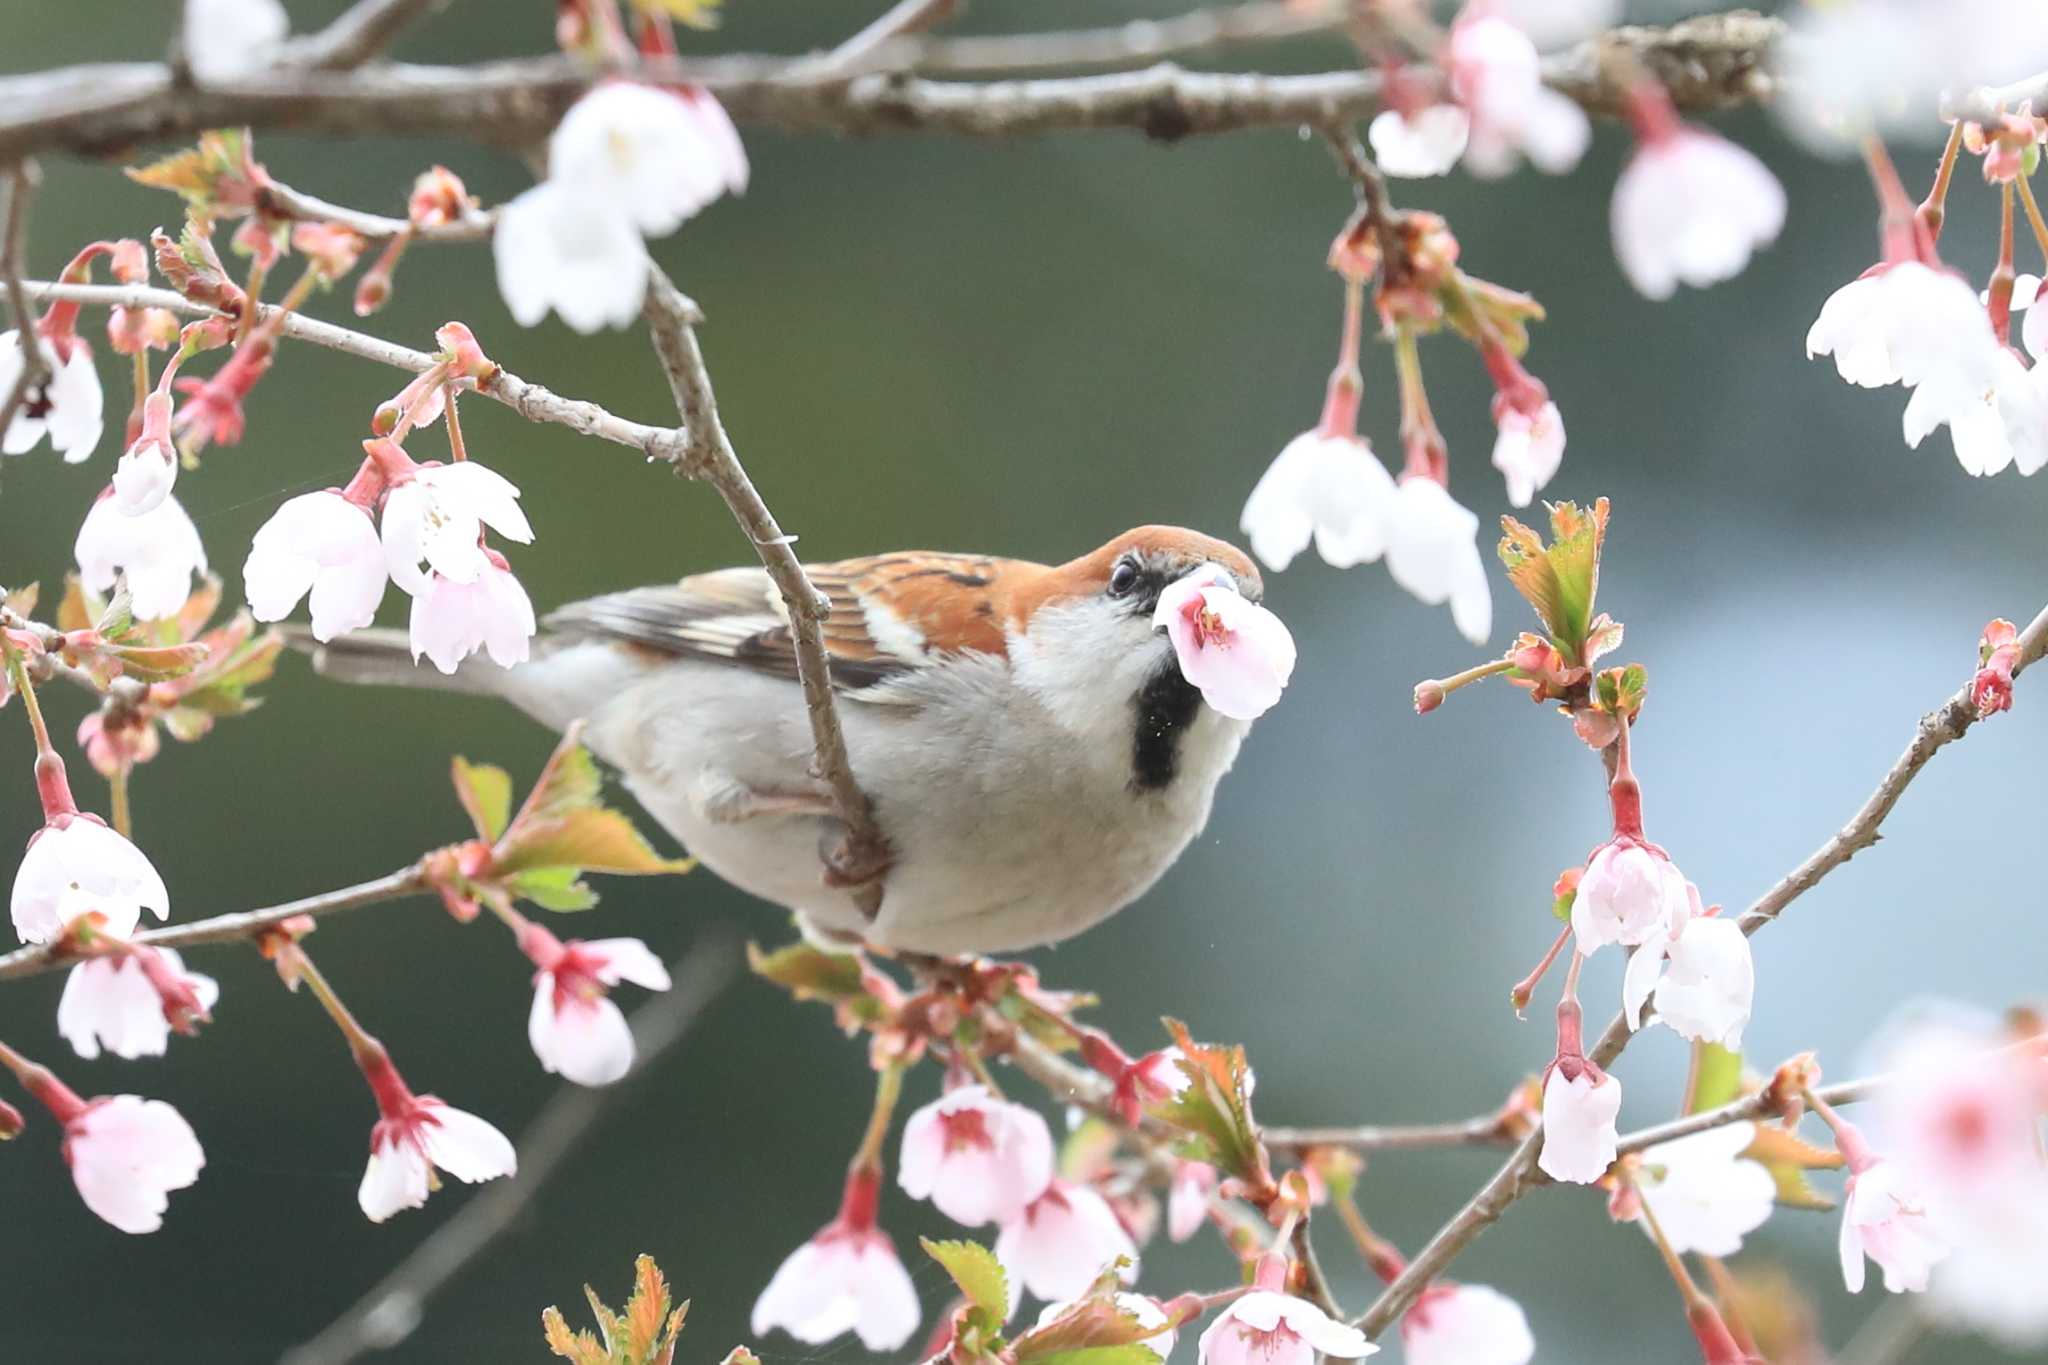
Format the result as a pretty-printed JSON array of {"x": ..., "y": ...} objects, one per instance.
[
  {"x": 1518, "y": 1173},
  {"x": 857, "y": 54},
  {"x": 863, "y": 854},
  {"x": 1484, "y": 1130},
  {"x": 1750, "y": 1107},
  {"x": 236, "y": 928},
  {"x": 1135, "y": 42},
  {"x": 392, "y": 1309},
  {"x": 286, "y": 202},
  {"x": 531, "y": 401},
  {"x": 21, "y": 182},
  {"x": 361, "y": 32},
  {"x": 1711, "y": 62}
]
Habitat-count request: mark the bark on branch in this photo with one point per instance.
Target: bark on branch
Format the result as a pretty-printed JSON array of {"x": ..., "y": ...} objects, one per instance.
[{"x": 1715, "y": 61}]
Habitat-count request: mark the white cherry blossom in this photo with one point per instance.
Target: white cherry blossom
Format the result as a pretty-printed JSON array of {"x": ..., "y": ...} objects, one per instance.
[
  {"x": 1704, "y": 978},
  {"x": 228, "y": 39},
  {"x": 111, "y": 1002},
  {"x": 1466, "y": 1324},
  {"x": 159, "y": 551},
  {"x": 1331, "y": 489},
  {"x": 557, "y": 249},
  {"x": 1579, "y": 1136},
  {"x": 80, "y": 865},
  {"x": 1433, "y": 552},
  {"x": 127, "y": 1154},
  {"x": 451, "y": 620},
  {"x": 1062, "y": 1241},
  {"x": 323, "y": 547},
  {"x": 1705, "y": 1195},
  {"x": 423, "y": 1135},
  {"x": 660, "y": 155},
  {"x": 1269, "y": 1328},
  {"x": 70, "y": 410},
  {"x": 1689, "y": 208},
  {"x": 434, "y": 522},
  {"x": 1528, "y": 449},
  {"x": 1427, "y": 144}
]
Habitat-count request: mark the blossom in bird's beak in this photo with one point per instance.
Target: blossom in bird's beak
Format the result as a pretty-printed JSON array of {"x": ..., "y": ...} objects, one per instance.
[{"x": 1238, "y": 653}]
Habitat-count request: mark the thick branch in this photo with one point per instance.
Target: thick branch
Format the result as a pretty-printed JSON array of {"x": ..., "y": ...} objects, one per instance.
[
  {"x": 1940, "y": 727},
  {"x": 864, "y": 852},
  {"x": 21, "y": 182},
  {"x": 531, "y": 401},
  {"x": 391, "y": 1310},
  {"x": 1712, "y": 62},
  {"x": 238, "y": 928}
]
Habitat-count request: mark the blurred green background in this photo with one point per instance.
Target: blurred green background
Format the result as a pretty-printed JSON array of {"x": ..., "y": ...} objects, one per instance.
[{"x": 1026, "y": 347}]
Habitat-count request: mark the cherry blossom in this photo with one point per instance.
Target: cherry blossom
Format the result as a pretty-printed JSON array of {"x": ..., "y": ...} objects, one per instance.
[
  {"x": 131, "y": 1001},
  {"x": 1959, "y": 1111},
  {"x": 1705, "y": 1195},
  {"x": 70, "y": 409},
  {"x": 453, "y": 620},
  {"x": 127, "y": 1154},
  {"x": 76, "y": 865},
  {"x": 1885, "y": 1216},
  {"x": 1187, "y": 1200},
  {"x": 434, "y": 520},
  {"x": 1266, "y": 1327},
  {"x": 555, "y": 250},
  {"x": 417, "y": 1135},
  {"x": 977, "y": 1158},
  {"x": 1553, "y": 23},
  {"x": 1146, "y": 1311},
  {"x": 1331, "y": 488},
  {"x": 1466, "y": 1324},
  {"x": 1062, "y": 1241},
  {"x": 1629, "y": 893},
  {"x": 1239, "y": 654},
  {"x": 1896, "y": 322},
  {"x": 1495, "y": 73},
  {"x": 576, "y": 1030},
  {"x": 228, "y": 39},
  {"x": 1427, "y": 143},
  {"x": 146, "y": 470},
  {"x": 2026, "y": 292},
  {"x": 1996, "y": 411},
  {"x": 1527, "y": 449},
  {"x": 323, "y": 545},
  {"x": 1690, "y": 206},
  {"x": 846, "y": 1278},
  {"x": 1579, "y": 1136},
  {"x": 1704, "y": 979},
  {"x": 1433, "y": 552},
  {"x": 660, "y": 155},
  {"x": 159, "y": 551},
  {"x": 1991, "y": 1282}
]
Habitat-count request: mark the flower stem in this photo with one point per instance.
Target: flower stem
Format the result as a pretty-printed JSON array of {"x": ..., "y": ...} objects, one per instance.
[
  {"x": 1471, "y": 675},
  {"x": 1526, "y": 987},
  {"x": 2034, "y": 219},
  {"x": 123, "y": 817},
  {"x": 1687, "y": 1289},
  {"x": 888, "y": 1089},
  {"x": 1896, "y": 223},
  {"x": 18, "y": 672},
  {"x": 1624, "y": 793},
  {"x": 60, "y": 1099},
  {"x": 458, "y": 450},
  {"x": 1848, "y": 1137},
  {"x": 1382, "y": 1256},
  {"x": 1934, "y": 208},
  {"x": 1421, "y": 442},
  {"x": 1999, "y": 301},
  {"x": 359, "y": 1040},
  {"x": 1347, "y": 386},
  {"x": 971, "y": 1059}
]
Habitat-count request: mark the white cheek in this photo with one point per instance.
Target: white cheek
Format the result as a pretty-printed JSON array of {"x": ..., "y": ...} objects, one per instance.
[{"x": 1084, "y": 661}]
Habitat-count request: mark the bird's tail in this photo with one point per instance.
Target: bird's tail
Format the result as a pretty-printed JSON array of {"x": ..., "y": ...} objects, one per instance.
[{"x": 383, "y": 658}]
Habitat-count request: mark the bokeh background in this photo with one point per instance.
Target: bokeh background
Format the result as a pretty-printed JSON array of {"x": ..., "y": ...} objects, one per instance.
[{"x": 1025, "y": 347}]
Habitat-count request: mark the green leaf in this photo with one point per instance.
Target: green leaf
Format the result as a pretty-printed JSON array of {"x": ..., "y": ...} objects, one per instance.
[
  {"x": 1095, "y": 1331},
  {"x": 1214, "y": 1110},
  {"x": 1788, "y": 1158},
  {"x": 1716, "y": 1077},
  {"x": 1562, "y": 579},
  {"x": 809, "y": 972},
  {"x": 485, "y": 792},
  {"x": 594, "y": 839},
  {"x": 976, "y": 1271},
  {"x": 560, "y": 889},
  {"x": 159, "y": 663}
]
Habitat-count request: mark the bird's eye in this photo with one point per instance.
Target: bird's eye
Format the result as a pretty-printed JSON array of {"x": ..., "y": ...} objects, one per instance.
[{"x": 1123, "y": 578}]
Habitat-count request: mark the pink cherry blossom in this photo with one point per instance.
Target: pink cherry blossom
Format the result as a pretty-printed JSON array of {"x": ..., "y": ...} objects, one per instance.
[
  {"x": 1187, "y": 1201},
  {"x": 75, "y": 865},
  {"x": 1329, "y": 488},
  {"x": 1062, "y": 1241},
  {"x": 1433, "y": 552},
  {"x": 434, "y": 520},
  {"x": 1885, "y": 1216},
  {"x": 1466, "y": 1324},
  {"x": 1239, "y": 654},
  {"x": 1579, "y": 1136},
  {"x": 1629, "y": 893},
  {"x": 575, "y": 1028},
  {"x": 126, "y": 1155},
  {"x": 847, "y": 1278},
  {"x": 159, "y": 551},
  {"x": 415, "y": 1136},
  {"x": 1705, "y": 1195},
  {"x": 323, "y": 545},
  {"x": 1527, "y": 449},
  {"x": 1427, "y": 143},
  {"x": 1496, "y": 74},
  {"x": 1689, "y": 208},
  {"x": 977, "y": 1158},
  {"x": 1266, "y": 1327},
  {"x": 1991, "y": 1282},
  {"x": 131, "y": 1001},
  {"x": 1146, "y": 1311},
  {"x": 452, "y": 620},
  {"x": 69, "y": 409},
  {"x": 1704, "y": 979}
]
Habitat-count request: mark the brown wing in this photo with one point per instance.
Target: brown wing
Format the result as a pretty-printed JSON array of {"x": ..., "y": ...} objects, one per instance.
[{"x": 891, "y": 614}]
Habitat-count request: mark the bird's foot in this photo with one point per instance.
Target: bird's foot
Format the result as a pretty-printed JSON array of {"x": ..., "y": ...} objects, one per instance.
[
  {"x": 857, "y": 866},
  {"x": 730, "y": 802}
]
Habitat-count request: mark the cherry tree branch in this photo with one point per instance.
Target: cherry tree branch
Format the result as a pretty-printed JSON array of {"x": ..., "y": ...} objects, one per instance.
[
  {"x": 286, "y": 202},
  {"x": 1943, "y": 726},
  {"x": 863, "y": 854},
  {"x": 361, "y": 32},
  {"x": 529, "y": 400},
  {"x": 389, "y": 1312},
  {"x": 896, "y": 24},
  {"x": 1761, "y": 1105},
  {"x": 236, "y": 928},
  {"x": 21, "y": 181},
  {"x": 1715, "y": 61},
  {"x": 1483, "y": 1130},
  {"x": 1132, "y": 43}
]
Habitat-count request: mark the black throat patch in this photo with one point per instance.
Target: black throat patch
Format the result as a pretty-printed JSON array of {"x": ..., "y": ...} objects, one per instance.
[{"x": 1167, "y": 705}]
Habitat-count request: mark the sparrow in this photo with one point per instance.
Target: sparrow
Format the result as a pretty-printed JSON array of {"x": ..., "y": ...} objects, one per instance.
[{"x": 1032, "y": 748}]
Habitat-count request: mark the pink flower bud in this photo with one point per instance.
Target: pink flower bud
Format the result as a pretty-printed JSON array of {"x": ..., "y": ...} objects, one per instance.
[{"x": 439, "y": 198}]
